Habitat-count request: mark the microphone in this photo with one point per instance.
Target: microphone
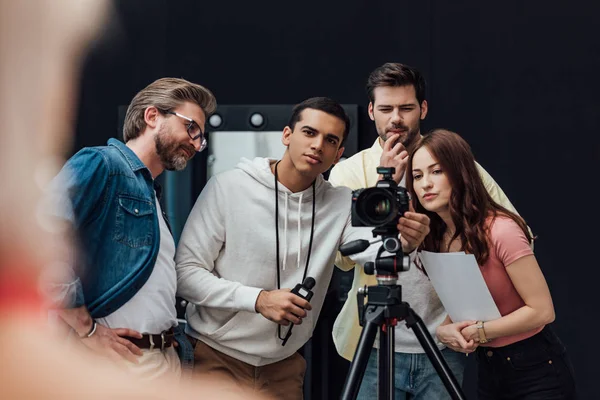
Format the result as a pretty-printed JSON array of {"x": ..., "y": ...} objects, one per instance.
[
  {"x": 301, "y": 290},
  {"x": 356, "y": 246}
]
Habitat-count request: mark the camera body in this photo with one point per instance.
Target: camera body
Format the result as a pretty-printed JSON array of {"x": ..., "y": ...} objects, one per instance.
[{"x": 380, "y": 206}]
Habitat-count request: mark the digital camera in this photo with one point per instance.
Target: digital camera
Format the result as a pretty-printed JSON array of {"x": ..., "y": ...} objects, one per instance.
[{"x": 382, "y": 205}]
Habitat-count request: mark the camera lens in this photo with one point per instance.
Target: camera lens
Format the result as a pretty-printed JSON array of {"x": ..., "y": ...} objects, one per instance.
[
  {"x": 376, "y": 207},
  {"x": 383, "y": 207}
]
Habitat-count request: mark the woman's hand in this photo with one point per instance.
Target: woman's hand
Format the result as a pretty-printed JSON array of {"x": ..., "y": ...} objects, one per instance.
[
  {"x": 471, "y": 333},
  {"x": 451, "y": 336}
]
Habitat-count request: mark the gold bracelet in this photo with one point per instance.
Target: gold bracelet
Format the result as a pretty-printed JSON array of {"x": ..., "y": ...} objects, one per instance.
[{"x": 481, "y": 330}]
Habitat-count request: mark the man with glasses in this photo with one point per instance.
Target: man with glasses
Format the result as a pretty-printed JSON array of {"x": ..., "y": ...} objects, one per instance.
[
  {"x": 193, "y": 129},
  {"x": 122, "y": 302}
]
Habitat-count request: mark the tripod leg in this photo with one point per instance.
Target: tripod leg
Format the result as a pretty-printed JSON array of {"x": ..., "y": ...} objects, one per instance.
[
  {"x": 434, "y": 354},
  {"x": 386, "y": 363},
  {"x": 359, "y": 363}
]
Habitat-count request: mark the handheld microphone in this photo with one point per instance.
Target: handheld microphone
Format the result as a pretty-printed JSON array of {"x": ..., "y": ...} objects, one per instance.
[{"x": 301, "y": 290}]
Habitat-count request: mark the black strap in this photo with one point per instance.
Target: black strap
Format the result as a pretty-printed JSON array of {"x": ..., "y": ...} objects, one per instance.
[{"x": 312, "y": 231}]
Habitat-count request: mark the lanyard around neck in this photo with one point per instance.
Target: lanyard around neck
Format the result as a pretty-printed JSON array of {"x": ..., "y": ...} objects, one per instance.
[
  {"x": 312, "y": 231},
  {"x": 312, "y": 228}
]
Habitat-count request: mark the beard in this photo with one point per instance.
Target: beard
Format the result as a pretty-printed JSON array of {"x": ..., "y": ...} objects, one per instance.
[
  {"x": 173, "y": 155},
  {"x": 407, "y": 138}
]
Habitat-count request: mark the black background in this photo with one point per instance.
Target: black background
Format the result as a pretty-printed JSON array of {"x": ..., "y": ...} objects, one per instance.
[{"x": 518, "y": 80}]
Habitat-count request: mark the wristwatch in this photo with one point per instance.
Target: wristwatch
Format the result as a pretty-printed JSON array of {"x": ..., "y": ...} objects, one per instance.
[{"x": 481, "y": 330}]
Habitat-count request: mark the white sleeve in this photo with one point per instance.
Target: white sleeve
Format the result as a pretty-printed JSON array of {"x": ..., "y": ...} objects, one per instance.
[
  {"x": 200, "y": 244},
  {"x": 352, "y": 233}
]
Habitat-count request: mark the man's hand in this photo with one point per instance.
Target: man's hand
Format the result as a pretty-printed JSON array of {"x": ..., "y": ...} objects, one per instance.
[
  {"x": 471, "y": 332},
  {"x": 110, "y": 343},
  {"x": 413, "y": 228},
  {"x": 394, "y": 155},
  {"x": 451, "y": 336},
  {"x": 282, "y": 307}
]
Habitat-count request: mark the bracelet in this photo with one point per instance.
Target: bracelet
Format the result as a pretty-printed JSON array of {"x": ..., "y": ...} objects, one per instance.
[
  {"x": 482, "y": 336},
  {"x": 92, "y": 330}
]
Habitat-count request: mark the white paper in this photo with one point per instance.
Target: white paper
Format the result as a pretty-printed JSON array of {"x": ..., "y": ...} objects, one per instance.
[{"x": 457, "y": 279}]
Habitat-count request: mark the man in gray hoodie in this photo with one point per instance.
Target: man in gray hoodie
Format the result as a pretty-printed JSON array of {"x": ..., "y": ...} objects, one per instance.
[{"x": 257, "y": 231}]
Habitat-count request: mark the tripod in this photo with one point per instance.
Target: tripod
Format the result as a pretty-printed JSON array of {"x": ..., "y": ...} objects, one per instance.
[{"x": 384, "y": 309}]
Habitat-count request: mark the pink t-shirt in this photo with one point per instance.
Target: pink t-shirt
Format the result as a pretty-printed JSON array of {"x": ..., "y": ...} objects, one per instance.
[{"x": 508, "y": 243}]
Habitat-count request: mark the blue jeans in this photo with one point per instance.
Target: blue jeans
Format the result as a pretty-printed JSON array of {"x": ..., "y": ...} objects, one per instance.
[
  {"x": 185, "y": 350},
  {"x": 414, "y": 376}
]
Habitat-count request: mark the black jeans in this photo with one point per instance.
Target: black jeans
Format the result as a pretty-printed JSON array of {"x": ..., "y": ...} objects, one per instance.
[{"x": 534, "y": 368}]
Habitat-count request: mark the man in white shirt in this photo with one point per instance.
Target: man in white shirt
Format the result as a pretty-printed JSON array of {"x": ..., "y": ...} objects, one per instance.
[{"x": 122, "y": 304}]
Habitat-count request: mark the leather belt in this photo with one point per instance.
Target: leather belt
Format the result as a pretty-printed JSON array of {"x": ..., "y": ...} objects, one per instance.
[{"x": 160, "y": 341}]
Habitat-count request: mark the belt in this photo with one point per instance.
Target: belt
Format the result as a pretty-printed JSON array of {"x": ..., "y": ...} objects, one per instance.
[{"x": 161, "y": 341}]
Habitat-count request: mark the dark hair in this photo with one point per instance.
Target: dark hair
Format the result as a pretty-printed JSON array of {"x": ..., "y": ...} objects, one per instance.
[
  {"x": 165, "y": 94},
  {"x": 396, "y": 74},
  {"x": 470, "y": 203},
  {"x": 324, "y": 104}
]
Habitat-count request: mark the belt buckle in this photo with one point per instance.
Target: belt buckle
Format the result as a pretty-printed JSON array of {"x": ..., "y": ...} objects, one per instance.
[
  {"x": 162, "y": 338},
  {"x": 151, "y": 341}
]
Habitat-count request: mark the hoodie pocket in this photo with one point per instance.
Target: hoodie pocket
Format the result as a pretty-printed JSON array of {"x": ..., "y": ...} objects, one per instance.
[
  {"x": 232, "y": 323},
  {"x": 242, "y": 327}
]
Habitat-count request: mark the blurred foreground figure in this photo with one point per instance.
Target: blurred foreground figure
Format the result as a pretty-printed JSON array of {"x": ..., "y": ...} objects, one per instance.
[{"x": 41, "y": 43}]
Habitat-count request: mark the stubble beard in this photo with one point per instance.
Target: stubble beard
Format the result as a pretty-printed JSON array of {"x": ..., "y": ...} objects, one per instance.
[
  {"x": 169, "y": 151},
  {"x": 409, "y": 138}
]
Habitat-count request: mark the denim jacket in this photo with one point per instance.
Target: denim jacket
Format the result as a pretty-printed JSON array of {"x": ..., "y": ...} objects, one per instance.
[
  {"x": 114, "y": 212},
  {"x": 115, "y": 215}
]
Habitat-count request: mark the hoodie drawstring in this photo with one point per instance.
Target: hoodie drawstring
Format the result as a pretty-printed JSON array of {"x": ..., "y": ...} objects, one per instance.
[
  {"x": 312, "y": 231},
  {"x": 312, "y": 228},
  {"x": 285, "y": 232},
  {"x": 285, "y": 229}
]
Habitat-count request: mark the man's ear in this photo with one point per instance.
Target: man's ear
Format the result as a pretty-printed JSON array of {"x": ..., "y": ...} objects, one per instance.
[
  {"x": 370, "y": 108},
  {"x": 339, "y": 155},
  {"x": 424, "y": 109},
  {"x": 286, "y": 137},
  {"x": 151, "y": 115}
]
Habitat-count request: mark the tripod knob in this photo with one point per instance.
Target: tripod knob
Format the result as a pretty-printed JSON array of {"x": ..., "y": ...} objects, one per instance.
[{"x": 369, "y": 268}]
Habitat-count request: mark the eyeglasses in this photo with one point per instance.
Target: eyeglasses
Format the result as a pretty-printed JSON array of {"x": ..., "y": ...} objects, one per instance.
[{"x": 193, "y": 129}]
